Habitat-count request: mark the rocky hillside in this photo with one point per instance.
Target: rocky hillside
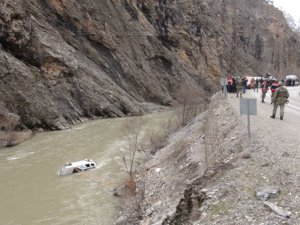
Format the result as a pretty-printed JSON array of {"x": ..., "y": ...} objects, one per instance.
[{"x": 62, "y": 61}]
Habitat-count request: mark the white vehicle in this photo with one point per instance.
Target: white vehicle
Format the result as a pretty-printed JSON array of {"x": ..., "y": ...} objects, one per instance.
[
  {"x": 75, "y": 167},
  {"x": 291, "y": 80}
]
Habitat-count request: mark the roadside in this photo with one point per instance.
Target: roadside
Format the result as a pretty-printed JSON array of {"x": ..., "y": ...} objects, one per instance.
[
  {"x": 253, "y": 183},
  {"x": 269, "y": 162}
]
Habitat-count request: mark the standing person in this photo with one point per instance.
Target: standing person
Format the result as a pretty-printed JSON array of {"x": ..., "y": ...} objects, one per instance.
[
  {"x": 280, "y": 98},
  {"x": 233, "y": 84},
  {"x": 244, "y": 83},
  {"x": 239, "y": 86},
  {"x": 256, "y": 85},
  {"x": 252, "y": 84},
  {"x": 264, "y": 90},
  {"x": 229, "y": 82},
  {"x": 273, "y": 89}
]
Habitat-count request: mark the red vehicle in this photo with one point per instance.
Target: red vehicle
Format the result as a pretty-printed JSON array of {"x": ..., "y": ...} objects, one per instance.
[{"x": 274, "y": 86}]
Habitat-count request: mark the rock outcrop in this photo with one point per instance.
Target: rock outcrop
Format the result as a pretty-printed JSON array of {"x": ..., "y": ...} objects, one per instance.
[
  {"x": 62, "y": 61},
  {"x": 11, "y": 131}
]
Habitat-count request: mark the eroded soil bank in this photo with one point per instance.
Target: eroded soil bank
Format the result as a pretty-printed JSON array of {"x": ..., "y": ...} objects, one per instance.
[{"x": 171, "y": 181}]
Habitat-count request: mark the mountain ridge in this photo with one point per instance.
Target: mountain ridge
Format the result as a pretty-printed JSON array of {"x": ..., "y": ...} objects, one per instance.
[{"x": 65, "y": 61}]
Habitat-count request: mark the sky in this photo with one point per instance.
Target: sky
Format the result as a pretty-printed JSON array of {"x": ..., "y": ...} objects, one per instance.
[{"x": 292, "y": 7}]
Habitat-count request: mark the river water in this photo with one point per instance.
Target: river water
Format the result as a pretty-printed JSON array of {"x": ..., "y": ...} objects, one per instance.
[{"x": 31, "y": 191}]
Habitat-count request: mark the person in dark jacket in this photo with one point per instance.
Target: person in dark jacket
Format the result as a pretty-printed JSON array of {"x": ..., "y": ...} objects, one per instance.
[{"x": 244, "y": 83}]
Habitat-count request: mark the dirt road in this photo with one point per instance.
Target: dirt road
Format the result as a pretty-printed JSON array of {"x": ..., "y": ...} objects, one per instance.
[{"x": 272, "y": 159}]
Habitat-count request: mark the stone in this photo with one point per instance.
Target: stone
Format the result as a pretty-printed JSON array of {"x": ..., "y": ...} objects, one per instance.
[
  {"x": 246, "y": 156},
  {"x": 119, "y": 191},
  {"x": 265, "y": 193},
  {"x": 157, "y": 170},
  {"x": 280, "y": 211},
  {"x": 285, "y": 154}
]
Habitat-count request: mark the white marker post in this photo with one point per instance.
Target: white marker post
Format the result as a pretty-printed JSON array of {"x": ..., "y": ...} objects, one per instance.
[{"x": 248, "y": 107}]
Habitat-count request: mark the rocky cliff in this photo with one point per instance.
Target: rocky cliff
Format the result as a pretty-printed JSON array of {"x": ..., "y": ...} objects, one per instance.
[{"x": 62, "y": 61}]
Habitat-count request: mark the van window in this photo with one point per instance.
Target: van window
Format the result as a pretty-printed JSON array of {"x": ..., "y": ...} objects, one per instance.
[
  {"x": 93, "y": 164},
  {"x": 87, "y": 165}
]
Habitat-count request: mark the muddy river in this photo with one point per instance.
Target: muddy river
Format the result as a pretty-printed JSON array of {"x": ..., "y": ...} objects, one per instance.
[{"x": 31, "y": 191}]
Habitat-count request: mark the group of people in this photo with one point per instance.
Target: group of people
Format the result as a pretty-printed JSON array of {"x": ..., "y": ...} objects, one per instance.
[
  {"x": 233, "y": 85},
  {"x": 241, "y": 86},
  {"x": 279, "y": 96}
]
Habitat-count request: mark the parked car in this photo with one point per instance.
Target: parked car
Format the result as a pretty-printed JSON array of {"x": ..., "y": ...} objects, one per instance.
[{"x": 291, "y": 80}]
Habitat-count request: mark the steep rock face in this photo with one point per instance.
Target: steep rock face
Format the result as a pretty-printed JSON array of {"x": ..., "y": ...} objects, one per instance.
[
  {"x": 62, "y": 61},
  {"x": 242, "y": 37}
]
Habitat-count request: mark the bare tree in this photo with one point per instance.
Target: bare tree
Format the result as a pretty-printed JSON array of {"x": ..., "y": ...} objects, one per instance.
[
  {"x": 158, "y": 136},
  {"x": 132, "y": 130},
  {"x": 190, "y": 99}
]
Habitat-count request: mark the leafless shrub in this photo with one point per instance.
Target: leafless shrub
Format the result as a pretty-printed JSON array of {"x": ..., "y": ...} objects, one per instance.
[
  {"x": 132, "y": 202},
  {"x": 191, "y": 101},
  {"x": 132, "y": 131},
  {"x": 158, "y": 136}
]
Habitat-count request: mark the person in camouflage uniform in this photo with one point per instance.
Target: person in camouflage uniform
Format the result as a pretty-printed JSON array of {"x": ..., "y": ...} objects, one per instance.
[
  {"x": 239, "y": 86},
  {"x": 280, "y": 98}
]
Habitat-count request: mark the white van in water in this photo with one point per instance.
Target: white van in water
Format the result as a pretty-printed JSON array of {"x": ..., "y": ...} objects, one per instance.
[{"x": 75, "y": 167}]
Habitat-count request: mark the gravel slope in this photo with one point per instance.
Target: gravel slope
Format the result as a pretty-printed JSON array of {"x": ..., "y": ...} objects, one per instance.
[
  {"x": 237, "y": 182},
  {"x": 271, "y": 159}
]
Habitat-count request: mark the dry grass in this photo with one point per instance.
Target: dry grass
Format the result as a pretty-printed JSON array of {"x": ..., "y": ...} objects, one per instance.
[
  {"x": 214, "y": 139},
  {"x": 131, "y": 186}
]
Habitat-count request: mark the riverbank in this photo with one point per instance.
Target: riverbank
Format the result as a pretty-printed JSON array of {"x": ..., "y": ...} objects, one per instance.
[
  {"x": 11, "y": 133},
  {"x": 210, "y": 174},
  {"x": 169, "y": 181}
]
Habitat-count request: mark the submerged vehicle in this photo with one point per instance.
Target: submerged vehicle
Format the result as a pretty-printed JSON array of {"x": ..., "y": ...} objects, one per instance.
[{"x": 78, "y": 166}]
